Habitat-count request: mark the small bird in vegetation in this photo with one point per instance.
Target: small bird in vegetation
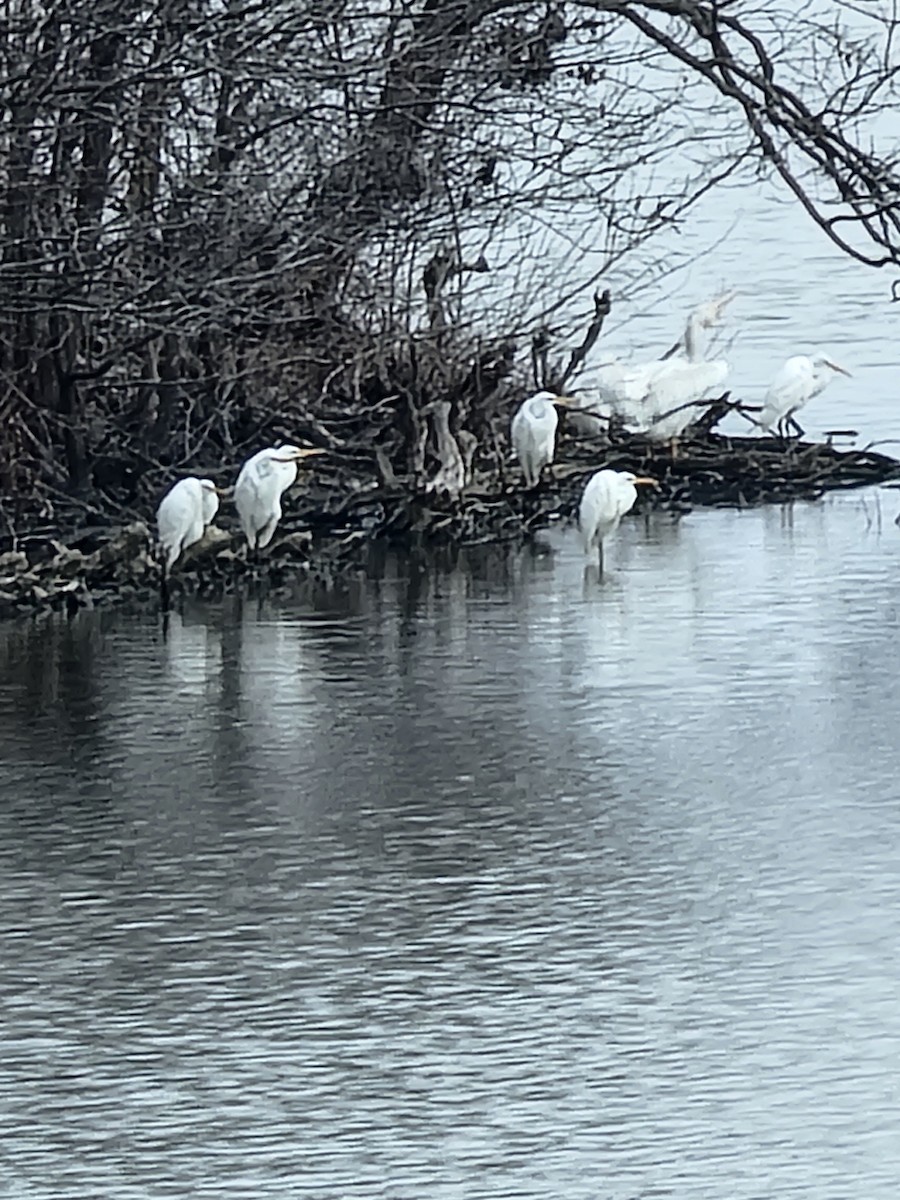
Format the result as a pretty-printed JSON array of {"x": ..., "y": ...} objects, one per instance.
[
  {"x": 263, "y": 480},
  {"x": 533, "y": 433},
  {"x": 608, "y": 495},
  {"x": 796, "y": 383},
  {"x": 183, "y": 515}
]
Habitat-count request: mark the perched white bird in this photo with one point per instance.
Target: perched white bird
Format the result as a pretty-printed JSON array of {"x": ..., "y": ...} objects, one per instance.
[
  {"x": 260, "y": 485},
  {"x": 607, "y": 497},
  {"x": 796, "y": 383},
  {"x": 660, "y": 399},
  {"x": 183, "y": 515},
  {"x": 533, "y": 433}
]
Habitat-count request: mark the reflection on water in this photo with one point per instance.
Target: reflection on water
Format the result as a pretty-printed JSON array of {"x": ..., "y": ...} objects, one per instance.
[{"x": 474, "y": 879}]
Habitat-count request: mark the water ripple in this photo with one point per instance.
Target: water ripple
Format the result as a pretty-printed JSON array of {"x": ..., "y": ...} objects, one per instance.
[{"x": 505, "y": 884}]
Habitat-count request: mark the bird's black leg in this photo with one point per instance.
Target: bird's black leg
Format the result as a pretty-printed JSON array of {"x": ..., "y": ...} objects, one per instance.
[
  {"x": 164, "y": 598},
  {"x": 796, "y": 426},
  {"x": 600, "y": 558}
]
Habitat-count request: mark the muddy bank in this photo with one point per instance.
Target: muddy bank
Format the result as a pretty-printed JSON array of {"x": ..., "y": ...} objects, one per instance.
[{"x": 331, "y": 521}]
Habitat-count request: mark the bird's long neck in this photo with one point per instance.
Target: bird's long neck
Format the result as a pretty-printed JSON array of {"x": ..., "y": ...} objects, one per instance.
[
  {"x": 694, "y": 340},
  {"x": 286, "y": 473},
  {"x": 822, "y": 376}
]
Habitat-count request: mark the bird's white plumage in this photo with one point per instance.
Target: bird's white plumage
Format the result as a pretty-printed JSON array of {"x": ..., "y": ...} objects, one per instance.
[
  {"x": 795, "y": 384},
  {"x": 704, "y": 317},
  {"x": 183, "y": 515},
  {"x": 210, "y": 500},
  {"x": 624, "y": 390},
  {"x": 661, "y": 399},
  {"x": 533, "y": 434},
  {"x": 644, "y": 395},
  {"x": 675, "y": 396},
  {"x": 262, "y": 481},
  {"x": 607, "y": 497}
]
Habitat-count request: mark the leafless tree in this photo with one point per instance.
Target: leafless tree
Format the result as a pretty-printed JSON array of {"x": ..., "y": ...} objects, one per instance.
[{"x": 225, "y": 222}]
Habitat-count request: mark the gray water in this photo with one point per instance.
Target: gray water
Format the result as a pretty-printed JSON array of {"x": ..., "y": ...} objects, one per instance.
[
  {"x": 472, "y": 880},
  {"x": 485, "y": 880}
]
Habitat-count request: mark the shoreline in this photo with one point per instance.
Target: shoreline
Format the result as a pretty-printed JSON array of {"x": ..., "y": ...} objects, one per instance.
[{"x": 324, "y": 530}]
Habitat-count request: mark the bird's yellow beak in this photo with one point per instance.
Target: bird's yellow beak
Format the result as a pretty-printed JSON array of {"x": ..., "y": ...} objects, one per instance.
[
  {"x": 297, "y": 455},
  {"x": 568, "y": 402},
  {"x": 646, "y": 479},
  {"x": 835, "y": 367},
  {"x": 217, "y": 490}
]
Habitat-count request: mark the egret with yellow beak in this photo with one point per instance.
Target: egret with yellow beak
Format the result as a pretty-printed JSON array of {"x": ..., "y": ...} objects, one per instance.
[
  {"x": 263, "y": 480},
  {"x": 608, "y": 495},
  {"x": 533, "y": 433},
  {"x": 183, "y": 515},
  {"x": 796, "y": 383}
]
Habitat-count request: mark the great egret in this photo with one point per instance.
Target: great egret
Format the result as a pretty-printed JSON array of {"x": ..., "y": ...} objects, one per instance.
[
  {"x": 183, "y": 515},
  {"x": 608, "y": 495},
  {"x": 796, "y": 383},
  {"x": 660, "y": 399},
  {"x": 533, "y": 433},
  {"x": 260, "y": 485}
]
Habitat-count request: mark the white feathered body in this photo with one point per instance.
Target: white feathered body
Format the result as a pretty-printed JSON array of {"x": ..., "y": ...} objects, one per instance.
[
  {"x": 533, "y": 436},
  {"x": 210, "y": 500},
  {"x": 607, "y": 497},
  {"x": 681, "y": 383},
  {"x": 796, "y": 383},
  {"x": 623, "y": 389},
  {"x": 645, "y": 395},
  {"x": 257, "y": 494},
  {"x": 183, "y": 515}
]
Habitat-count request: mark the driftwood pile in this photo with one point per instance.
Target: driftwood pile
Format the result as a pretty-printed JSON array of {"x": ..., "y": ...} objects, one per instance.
[
  {"x": 337, "y": 512},
  {"x": 709, "y": 470},
  {"x": 45, "y": 573}
]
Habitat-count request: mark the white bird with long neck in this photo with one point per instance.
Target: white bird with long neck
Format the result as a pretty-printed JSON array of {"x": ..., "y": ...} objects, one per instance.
[
  {"x": 183, "y": 516},
  {"x": 795, "y": 384},
  {"x": 660, "y": 399},
  {"x": 263, "y": 480},
  {"x": 608, "y": 495},
  {"x": 533, "y": 433}
]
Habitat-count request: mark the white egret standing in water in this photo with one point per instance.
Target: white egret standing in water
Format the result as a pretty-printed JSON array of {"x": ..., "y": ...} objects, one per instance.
[
  {"x": 533, "y": 433},
  {"x": 662, "y": 398},
  {"x": 608, "y": 495},
  {"x": 263, "y": 480},
  {"x": 796, "y": 383},
  {"x": 183, "y": 515}
]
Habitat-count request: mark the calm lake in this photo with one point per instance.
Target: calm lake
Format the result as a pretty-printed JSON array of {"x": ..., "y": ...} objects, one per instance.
[
  {"x": 479, "y": 879},
  {"x": 467, "y": 880}
]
